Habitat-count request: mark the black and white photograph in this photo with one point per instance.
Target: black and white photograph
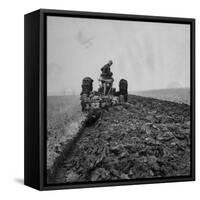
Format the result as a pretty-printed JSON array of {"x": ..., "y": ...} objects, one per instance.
[
  {"x": 98, "y": 100},
  {"x": 118, "y": 100}
]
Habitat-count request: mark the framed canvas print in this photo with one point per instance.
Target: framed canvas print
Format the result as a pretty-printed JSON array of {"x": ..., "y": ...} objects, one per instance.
[{"x": 109, "y": 99}]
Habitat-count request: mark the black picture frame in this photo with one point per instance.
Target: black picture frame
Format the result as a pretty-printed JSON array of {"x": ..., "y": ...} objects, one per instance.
[{"x": 35, "y": 87}]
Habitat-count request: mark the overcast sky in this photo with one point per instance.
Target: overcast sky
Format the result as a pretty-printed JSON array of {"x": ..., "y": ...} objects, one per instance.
[{"x": 148, "y": 55}]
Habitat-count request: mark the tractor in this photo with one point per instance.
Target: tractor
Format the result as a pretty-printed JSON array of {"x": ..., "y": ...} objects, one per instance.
[{"x": 106, "y": 95}]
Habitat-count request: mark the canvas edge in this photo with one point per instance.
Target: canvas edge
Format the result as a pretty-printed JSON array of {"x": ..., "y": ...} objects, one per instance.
[{"x": 42, "y": 87}]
